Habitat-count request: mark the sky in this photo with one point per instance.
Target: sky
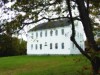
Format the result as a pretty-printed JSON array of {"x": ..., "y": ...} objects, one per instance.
[{"x": 10, "y": 14}]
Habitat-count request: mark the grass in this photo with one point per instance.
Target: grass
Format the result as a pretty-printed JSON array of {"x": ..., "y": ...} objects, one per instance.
[{"x": 45, "y": 65}]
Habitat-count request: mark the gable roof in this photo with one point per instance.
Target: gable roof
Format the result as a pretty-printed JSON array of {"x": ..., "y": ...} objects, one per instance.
[{"x": 51, "y": 24}]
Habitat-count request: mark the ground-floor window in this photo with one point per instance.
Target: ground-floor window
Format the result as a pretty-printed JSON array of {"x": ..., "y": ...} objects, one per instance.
[
  {"x": 62, "y": 45},
  {"x": 36, "y": 46},
  {"x": 40, "y": 46},
  {"x": 50, "y": 45},
  {"x": 31, "y": 46},
  {"x": 56, "y": 45}
]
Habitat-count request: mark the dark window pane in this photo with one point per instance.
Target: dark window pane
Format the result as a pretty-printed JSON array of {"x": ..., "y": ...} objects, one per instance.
[
  {"x": 31, "y": 46},
  {"x": 36, "y": 46},
  {"x": 36, "y": 34},
  {"x": 46, "y": 33},
  {"x": 50, "y": 45},
  {"x": 62, "y": 31},
  {"x": 56, "y": 32},
  {"x": 40, "y": 34},
  {"x": 51, "y": 32},
  {"x": 56, "y": 46},
  {"x": 62, "y": 45},
  {"x": 40, "y": 46}
]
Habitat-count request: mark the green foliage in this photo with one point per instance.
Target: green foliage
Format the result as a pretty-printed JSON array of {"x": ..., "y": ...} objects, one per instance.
[
  {"x": 94, "y": 8},
  {"x": 14, "y": 25},
  {"x": 22, "y": 47},
  {"x": 98, "y": 41},
  {"x": 10, "y": 46}
]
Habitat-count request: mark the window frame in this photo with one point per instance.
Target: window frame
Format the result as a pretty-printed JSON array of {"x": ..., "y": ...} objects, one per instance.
[
  {"x": 36, "y": 34},
  {"x": 62, "y": 45},
  {"x": 62, "y": 31},
  {"x": 56, "y": 32},
  {"x": 31, "y": 46},
  {"x": 50, "y": 45},
  {"x": 56, "y": 45},
  {"x": 40, "y": 46},
  {"x": 51, "y": 32},
  {"x": 36, "y": 47},
  {"x": 46, "y": 33},
  {"x": 41, "y": 34}
]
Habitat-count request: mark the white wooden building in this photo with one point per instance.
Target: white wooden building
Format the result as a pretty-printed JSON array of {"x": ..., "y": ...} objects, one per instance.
[{"x": 54, "y": 38}]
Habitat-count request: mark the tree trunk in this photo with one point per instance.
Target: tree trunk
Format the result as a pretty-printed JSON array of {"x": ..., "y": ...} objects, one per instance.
[
  {"x": 96, "y": 65},
  {"x": 84, "y": 15},
  {"x": 95, "y": 61},
  {"x": 86, "y": 24}
]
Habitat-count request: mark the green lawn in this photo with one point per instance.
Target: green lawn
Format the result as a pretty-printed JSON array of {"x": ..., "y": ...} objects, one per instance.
[{"x": 44, "y": 65}]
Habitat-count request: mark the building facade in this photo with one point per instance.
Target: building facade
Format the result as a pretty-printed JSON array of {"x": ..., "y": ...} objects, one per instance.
[{"x": 54, "y": 38}]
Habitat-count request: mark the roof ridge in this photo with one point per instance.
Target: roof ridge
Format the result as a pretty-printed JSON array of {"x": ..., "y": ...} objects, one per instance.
[{"x": 51, "y": 24}]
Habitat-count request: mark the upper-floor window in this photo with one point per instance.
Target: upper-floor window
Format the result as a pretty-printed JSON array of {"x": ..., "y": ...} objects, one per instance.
[
  {"x": 40, "y": 46},
  {"x": 41, "y": 34},
  {"x": 46, "y": 33},
  {"x": 51, "y": 32},
  {"x": 50, "y": 45},
  {"x": 73, "y": 45},
  {"x": 62, "y": 45},
  {"x": 36, "y": 34},
  {"x": 56, "y": 45},
  {"x": 32, "y": 36},
  {"x": 62, "y": 31},
  {"x": 56, "y": 32}
]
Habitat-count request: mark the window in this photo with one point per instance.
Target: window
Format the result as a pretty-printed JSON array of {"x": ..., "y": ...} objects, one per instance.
[
  {"x": 50, "y": 45},
  {"x": 31, "y": 46},
  {"x": 62, "y": 31},
  {"x": 36, "y": 46},
  {"x": 36, "y": 34},
  {"x": 32, "y": 36},
  {"x": 51, "y": 32},
  {"x": 40, "y": 46},
  {"x": 41, "y": 34},
  {"x": 46, "y": 33},
  {"x": 45, "y": 44},
  {"x": 62, "y": 45},
  {"x": 56, "y": 45},
  {"x": 73, "y": 45},
  {"x": 56, "y": 32}
]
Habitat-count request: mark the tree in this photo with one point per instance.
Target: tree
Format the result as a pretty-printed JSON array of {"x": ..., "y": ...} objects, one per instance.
[
  {"x": 10, "y": 46},
  {"x": 84, "y": 15},
  {"x": 37, "y": 10}
]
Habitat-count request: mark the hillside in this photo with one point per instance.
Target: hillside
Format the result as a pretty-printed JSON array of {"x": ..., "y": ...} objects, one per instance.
[{"x": 44, "y": 65}]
